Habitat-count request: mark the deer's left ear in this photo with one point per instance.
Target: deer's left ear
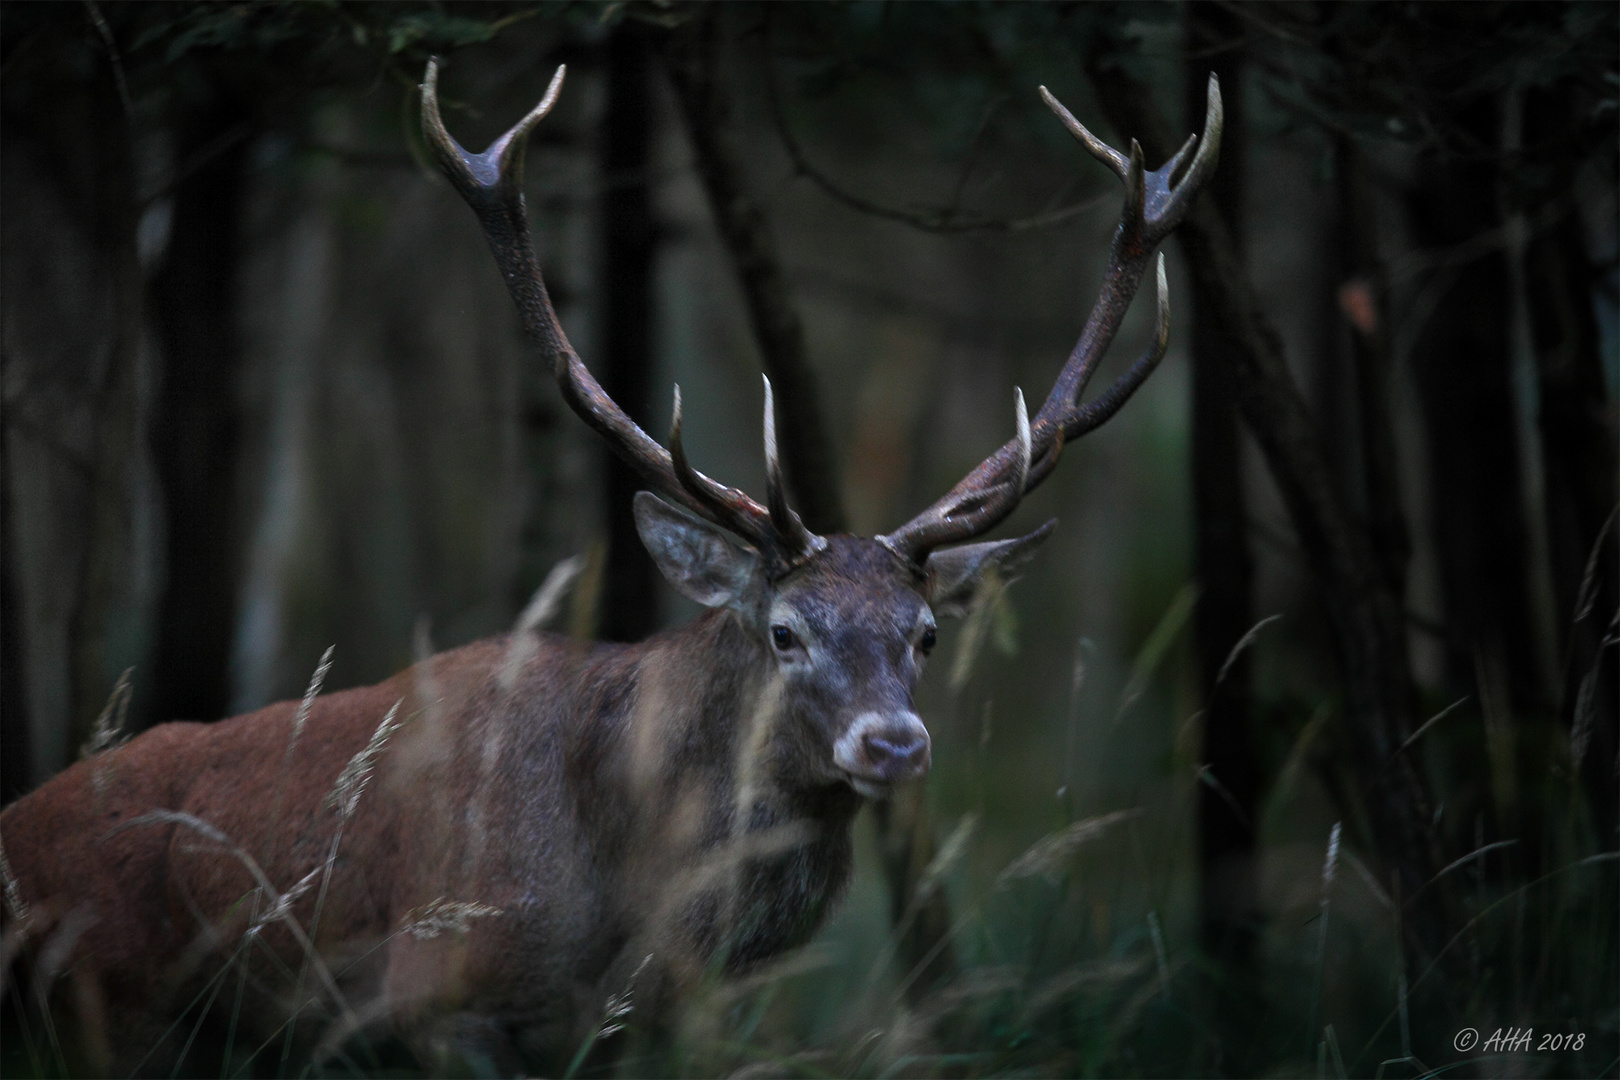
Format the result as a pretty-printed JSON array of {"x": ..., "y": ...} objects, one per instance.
[
  {"x": 954, "y": 573},
  {"x": 701, "y": 560}
]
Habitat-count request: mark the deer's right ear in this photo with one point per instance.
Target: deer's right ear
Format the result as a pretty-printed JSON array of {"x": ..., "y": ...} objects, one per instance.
[
  {"x": 954, "y": 573},
  {"x": 701, "y": 560}
]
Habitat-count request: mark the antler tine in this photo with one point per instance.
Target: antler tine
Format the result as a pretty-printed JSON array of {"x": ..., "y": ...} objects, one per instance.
[
  {"x": 1095, "y": 146},
  {"x": 1180, "y": 198},
  {"x": 1133, "y": 219},
  {"x": 1101, "y": 408},
  {"x": 980, "y": 502},
  {"x": 695, "y": 484},
  {"x": 786, "y": 523},
  {"x": 1172, "y": 166},
  {"x": 491, "y": 183},
  {"x": 1152, "y": 208},
  {"x": 728, "y": 506}
]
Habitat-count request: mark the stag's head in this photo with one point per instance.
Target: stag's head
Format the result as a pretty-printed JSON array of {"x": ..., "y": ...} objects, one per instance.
[
  {"x": 847, "y": 622},
  {"x": 847, "y": 630}
]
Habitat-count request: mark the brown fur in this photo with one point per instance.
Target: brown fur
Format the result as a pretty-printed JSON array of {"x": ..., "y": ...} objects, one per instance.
[{"x": 674, "y": 798}]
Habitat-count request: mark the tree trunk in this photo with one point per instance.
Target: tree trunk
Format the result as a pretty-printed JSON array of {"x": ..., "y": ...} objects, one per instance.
[
  {"x": 1463, "y": 365},
  {"x": 1229, "y": 916},
  {"x": 629, "y": 610},
  {"x": 1364, "y": 306},
  {"x": 1366, "y": 622},
  {"x": 73, "y": 317},
  {"x": 108, "y": 547},
  {"x": 808, "y": 462},
  {"x": 195, "y": 426},
  {"x": 1578, "y": 456}
]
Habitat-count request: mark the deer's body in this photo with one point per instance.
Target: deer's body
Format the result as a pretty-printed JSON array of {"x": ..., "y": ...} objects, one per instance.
[
  {"x": 591, "y": 802},
  {"x": 599, "y": 816}
]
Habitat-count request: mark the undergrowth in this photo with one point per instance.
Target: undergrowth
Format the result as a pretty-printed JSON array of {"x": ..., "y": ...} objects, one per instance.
[{"x": 1076, "y": 956}]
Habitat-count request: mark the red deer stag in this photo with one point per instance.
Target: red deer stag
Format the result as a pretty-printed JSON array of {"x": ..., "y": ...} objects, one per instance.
[{"x": 536, "y": 822}]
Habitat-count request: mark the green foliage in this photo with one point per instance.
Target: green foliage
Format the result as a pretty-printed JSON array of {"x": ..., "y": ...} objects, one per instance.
[
  {"x": 436, "y": 30},
  {"x": 416, "y": 29}
]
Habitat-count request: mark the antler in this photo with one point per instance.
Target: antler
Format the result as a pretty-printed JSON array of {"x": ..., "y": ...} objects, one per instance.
[
  {"x": 492, "y": 184},
  {"x": 1154, "y": 205}
]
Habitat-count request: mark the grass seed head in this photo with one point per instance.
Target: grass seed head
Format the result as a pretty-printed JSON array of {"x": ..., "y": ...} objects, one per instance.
[
  {"x": 282, "y": 908},
  {"x": 1048, "y": 853},
  {"x": 313, "y": 691},
  {"x": 443, "y": 916},
  {"x": 351, "y": 782},
  {"x": 108, "y": 732}
]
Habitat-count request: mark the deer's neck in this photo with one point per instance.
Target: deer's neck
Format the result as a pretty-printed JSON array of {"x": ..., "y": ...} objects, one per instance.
[
  {"x": 710, "y": 696},
  {"x": 716, "y": 761}
]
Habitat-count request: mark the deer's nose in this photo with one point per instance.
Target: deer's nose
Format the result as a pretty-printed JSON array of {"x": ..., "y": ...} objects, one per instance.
[
  {"x": 897, "y": 753},
  {"x": 884, "y": 749}
]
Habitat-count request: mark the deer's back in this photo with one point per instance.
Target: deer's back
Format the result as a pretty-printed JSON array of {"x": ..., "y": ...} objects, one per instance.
[
  {"x": 464, "y": 802},
  {"x": 98, "y": 845}
]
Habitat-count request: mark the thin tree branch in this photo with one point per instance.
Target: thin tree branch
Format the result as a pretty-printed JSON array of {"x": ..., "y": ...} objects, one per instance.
[
  {"x": 941, "y": 219},
  {"x": 705, "y": 104}
]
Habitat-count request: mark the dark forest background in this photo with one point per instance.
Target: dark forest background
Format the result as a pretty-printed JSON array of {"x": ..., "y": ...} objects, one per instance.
[{"x": 1296, "y": 749}]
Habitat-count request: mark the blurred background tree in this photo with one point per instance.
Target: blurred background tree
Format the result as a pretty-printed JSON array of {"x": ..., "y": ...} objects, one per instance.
[{"x": 1346, "y": 567}]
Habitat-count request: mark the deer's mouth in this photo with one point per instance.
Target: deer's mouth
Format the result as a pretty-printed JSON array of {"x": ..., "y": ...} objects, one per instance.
[
  {"x": 871, "y": 789},
  {"x": 879, "y": 751}
]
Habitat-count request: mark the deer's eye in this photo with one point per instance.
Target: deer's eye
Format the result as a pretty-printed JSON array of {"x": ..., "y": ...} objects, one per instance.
[
  {"x": 783, "y": 638},
  {"x": 926, "y": 642}
]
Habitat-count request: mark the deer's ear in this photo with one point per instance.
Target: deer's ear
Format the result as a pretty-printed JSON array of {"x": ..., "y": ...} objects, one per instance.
[
  {"x": 954, "y": 573},
  {"x": 701, "y": 560}
]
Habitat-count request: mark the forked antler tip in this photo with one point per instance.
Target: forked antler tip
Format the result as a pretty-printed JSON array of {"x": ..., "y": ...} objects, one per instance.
[{"x": 500, "y": 165}]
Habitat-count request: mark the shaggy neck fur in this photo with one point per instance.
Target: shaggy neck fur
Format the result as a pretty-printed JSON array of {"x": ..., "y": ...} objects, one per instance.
[{"x": 730, "y": 842}]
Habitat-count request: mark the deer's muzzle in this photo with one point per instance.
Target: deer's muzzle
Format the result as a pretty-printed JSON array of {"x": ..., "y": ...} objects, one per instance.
[{"x": 881, "y": 749}]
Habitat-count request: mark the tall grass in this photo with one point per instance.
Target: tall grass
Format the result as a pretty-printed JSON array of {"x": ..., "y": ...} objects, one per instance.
[{"x": 1076, "y": 955}]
